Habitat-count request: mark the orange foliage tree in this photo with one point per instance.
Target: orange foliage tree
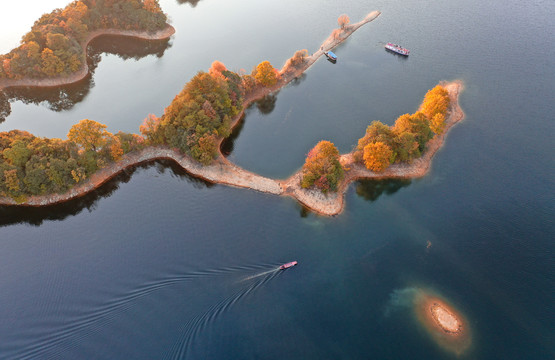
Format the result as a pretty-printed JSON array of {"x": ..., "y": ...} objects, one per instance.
[
  {"x": 377, "y": 156},
  {"x": 90, "y": 134},
  {"x": 435, "y": 102},
  {"x": 343, "y": 20},
  {"x": 437, "y": 123},
  {"x": 217, "y": 68},
  {"x": 266, "y": 74},
  {"x": 322, "y": 168}
]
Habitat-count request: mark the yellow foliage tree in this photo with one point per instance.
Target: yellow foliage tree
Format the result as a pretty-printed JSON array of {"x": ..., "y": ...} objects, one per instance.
[
  {"x": 12, "y": 181},
  {"x": 90, "y": 134},
  {"x": 377, "y": 156},
  {"x": 51, "y": 64},
  {"x": 266, "y": 74},
  {"x": 116, "y": 151},
  {"x": 436, "y": 101},
  {"x": 437, "y": 124}
]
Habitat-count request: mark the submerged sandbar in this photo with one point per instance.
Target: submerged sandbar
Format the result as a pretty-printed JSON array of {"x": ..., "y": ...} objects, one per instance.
[{"x": 446, "y": 325}]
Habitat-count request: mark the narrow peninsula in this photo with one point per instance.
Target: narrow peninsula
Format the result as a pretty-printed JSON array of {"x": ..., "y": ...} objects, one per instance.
[
  {"x": 54, "y": 52},
  {"x": 38, "y": 171}
]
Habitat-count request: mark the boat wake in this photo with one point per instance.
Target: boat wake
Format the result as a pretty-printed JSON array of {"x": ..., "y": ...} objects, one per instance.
[
  {"x": 183, "y": 348},
  {"x": 261, "y": 274},
  {"x": 54, "y": 342}
]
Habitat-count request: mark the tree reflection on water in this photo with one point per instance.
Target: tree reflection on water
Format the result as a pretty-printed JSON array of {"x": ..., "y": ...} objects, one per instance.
[
  {"x": 37, "y": 215},
  {"x": 193, "y": 3},
  {"x": 65, "y": 97},
  {"x": 371, "y": 190}
]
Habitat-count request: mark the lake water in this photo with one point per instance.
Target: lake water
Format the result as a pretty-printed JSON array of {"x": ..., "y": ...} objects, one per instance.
[{"x": 160, "y": 265}]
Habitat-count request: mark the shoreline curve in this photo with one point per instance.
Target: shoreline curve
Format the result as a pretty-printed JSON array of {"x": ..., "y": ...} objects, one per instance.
[
  {"x": 222, "y": 171},
  {"x": 80, "y": 74}
]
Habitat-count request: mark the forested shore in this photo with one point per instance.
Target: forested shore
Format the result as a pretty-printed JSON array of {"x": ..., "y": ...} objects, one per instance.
[
  {"x": 56, "y": 45},
  {"x": 40, "y": 171}
]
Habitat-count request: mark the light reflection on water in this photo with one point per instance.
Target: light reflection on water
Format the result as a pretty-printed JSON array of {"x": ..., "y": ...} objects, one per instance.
[{"x": 158, "y": 256}]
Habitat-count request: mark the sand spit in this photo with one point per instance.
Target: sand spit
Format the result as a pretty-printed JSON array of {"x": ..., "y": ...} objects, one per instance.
[
  {"x": 444, "y": 323},
  {"x": 84, "y": 70}
]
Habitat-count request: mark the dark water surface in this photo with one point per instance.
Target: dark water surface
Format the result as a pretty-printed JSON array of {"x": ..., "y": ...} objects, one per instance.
[{"x": 159, "y": 265}]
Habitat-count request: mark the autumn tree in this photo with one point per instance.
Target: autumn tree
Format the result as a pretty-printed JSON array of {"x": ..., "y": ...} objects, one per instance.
[
  {"x": 298, "y": 58},
  {"x": 51, "y": 64},
  {"x": 375, "y": 132},
  {"x": 32, "y": 165},
  {"x": 406, "y": 147},
  {"x": 265, "y": 74},
  {"x": 200, "y": 115},
  {"x": 90, "y": 134},
  {"x": 435, "y": 102},
  {"x": 217, "y": 68},
  {"x": 54, "y": 45},
  {"x": 377, "y": 156},
  {"x": 18, "y": 154},
  {"x": 151, "y": 130},
  {"x": 343, "y": 20},
  {"x": 437, "y": 123},
  {"x": 416, "y": 124},
  {"x": 322, "y": 168}
]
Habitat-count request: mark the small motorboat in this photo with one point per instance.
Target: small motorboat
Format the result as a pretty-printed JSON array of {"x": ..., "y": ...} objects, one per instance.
[
  {"x": 397, "y": 49},
  {"x": 331, "y": 56},
  {"x": 288, "y": 265}
]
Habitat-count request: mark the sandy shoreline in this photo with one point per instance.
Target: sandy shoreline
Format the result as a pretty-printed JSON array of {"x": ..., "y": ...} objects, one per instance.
[
  {"x": 84, "y": 70},
  {"x": 223, "y": 171},
  {"x": 333, "y": 203},
  {"x": 445, "y": 324}
]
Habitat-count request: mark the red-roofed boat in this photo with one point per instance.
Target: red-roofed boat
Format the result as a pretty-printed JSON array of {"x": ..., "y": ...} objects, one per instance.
[
  {"x": 288, "y": 265},
  {"x": 397, "y": 49}
]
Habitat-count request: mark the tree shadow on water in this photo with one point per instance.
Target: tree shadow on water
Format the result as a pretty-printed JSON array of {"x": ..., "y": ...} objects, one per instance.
[
  {"x": 65, "y": 97},
  {"x": 371, "y": 190},
  {"x": 193, "y": 3},
  {"x": 229, "y": 143},
  {"x": 31, "y": 215},
  {"x": 267, "y": 104}
]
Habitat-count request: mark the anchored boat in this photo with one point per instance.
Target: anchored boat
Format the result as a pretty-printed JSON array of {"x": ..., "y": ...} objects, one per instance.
[
  {"x": 397, "y": 49},
  {"x": 331, "y": 56},
  {"x": 288, "y": 265}
]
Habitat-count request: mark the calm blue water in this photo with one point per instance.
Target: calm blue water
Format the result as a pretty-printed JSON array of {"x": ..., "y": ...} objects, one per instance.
[{"x": 159, "y": 265}]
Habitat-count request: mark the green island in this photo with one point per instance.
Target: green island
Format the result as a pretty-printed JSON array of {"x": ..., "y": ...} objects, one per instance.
[
  {"x": 40, "y": 171},
  {"x": 54, "y": 51}
]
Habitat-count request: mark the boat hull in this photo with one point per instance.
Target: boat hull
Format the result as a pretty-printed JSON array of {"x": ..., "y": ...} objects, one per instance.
[
  {"x": 288, "y": 265},
  {"x": 397, "y": 49}
]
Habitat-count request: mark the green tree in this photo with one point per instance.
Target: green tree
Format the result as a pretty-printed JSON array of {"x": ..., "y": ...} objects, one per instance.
[
  {"x": 406, "y": 147},
  {"x": 265, "y": 74},
  {"x": 18, "y": 154},
  {"x": 416, "y": 124},
  {"x": 90, "y": 134}
]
